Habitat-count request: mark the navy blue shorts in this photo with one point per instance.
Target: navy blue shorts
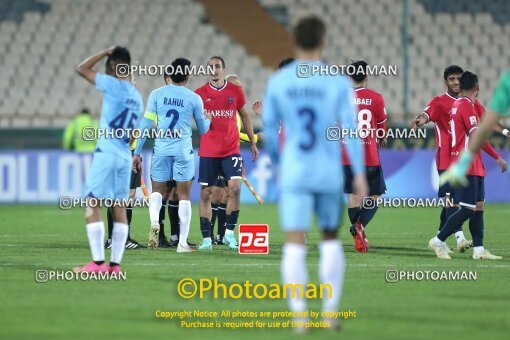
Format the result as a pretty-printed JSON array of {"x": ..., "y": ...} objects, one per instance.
[
  {"x": 445, "y": 189},
  {"x": 474, "y": 192},
  {"x": 375, "y": 180},
  {"x": 230, "y": 167},
  {"x": 220, "y": 182}
]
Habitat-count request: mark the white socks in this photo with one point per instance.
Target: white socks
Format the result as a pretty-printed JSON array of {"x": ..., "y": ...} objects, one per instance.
[
  {"x": 228, "y": 232},
  {"x": 437, "y": 241},
  {"x": 185, "y": 218},
  {"x": 294, "y": 271},
  {"x": 119, "y": 237},
  {"x": 459, "y": 236},
  {"x": 155, "y": 207},
  {"x": 478, "y": 250},
  {"x": 95, "y": 234},
  {"x": 331, "y": 271}
]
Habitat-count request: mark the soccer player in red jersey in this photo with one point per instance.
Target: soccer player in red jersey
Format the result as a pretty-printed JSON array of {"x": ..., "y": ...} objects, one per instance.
[
  {"x": 219, "y": 149},
  {"x": 372, "y": 119},
  {"x": 219, "y": 198},
  {"x": 464, "y": 119},
  {"x": 437, "y": 111}
]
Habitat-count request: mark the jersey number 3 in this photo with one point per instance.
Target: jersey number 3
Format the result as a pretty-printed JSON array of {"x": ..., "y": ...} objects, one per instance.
[{"x": 308, "y": 115}]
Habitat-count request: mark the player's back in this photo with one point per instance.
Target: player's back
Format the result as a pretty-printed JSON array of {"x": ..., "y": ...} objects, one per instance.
[
  {"x": 122, "y": 105},
  {"x": 464, "y": 120},
  {"x": 174, "y": 107},
  {"x": 438, "y": 111},
  {"x": 306, "y": 108},
  {"x": 370, "y": 116}
]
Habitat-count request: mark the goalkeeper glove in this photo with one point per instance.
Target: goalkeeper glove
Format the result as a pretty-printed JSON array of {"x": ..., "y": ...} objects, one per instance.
[{"x": 456, "y": 173}]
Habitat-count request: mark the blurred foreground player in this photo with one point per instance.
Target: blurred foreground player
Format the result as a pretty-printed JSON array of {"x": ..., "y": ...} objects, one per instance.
[
  {"x": 110, "y": 170},
  {"x": 309, "y": 171},
  {"x": 464, "y": 121},
  {"x": 371, "y": 120},
  {"x": 172, "y": 107}
]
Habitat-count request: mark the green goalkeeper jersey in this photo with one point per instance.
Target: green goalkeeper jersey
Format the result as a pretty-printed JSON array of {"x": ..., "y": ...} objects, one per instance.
[{"x": 500, "y": 102}]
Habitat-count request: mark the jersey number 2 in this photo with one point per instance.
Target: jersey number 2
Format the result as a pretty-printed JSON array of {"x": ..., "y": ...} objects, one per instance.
[{"x": 175, "y": 118}]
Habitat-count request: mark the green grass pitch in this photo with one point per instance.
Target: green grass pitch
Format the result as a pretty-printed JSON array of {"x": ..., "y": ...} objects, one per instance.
[{"x": 43, "y": 237}]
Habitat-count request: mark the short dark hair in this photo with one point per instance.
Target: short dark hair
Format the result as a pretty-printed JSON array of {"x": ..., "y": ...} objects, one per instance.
[
  {"x": 452, "y": 69},
  {"x": 468, "y": 81},
  {"x": 85, "y": 110},
  {"x": 220, "y": 59},
  {"x": 309, "y": 32},
  {"x": 120, "y": 55},
  {"x": 360, "y": 73},
  {"x": 285, "y": 62},
  {"x": 181, "y": 70}
]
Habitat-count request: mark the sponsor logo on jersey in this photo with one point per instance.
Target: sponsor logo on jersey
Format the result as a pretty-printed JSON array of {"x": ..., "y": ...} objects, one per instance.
[{"x": 221, "y": 113}]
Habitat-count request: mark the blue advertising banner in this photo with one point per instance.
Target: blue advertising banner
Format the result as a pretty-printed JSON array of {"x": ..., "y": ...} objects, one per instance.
[{"x": 44, "y": 176}]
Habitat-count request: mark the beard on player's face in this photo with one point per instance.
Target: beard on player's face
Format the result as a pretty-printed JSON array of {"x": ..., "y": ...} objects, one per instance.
[
  {"x": 454, "y": 89},
  {"x": 453, "y": 84}
]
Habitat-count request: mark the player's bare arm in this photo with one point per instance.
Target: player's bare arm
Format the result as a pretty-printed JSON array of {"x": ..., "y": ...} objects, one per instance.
[
  {"x": 501, "y": 129},
  {"x": 85, "y": 70},
  {"x": 137, "y": 163},
  {"x": 483, "y": 132},
  {"x": 419, "y": 120},
  {"x": 257, "y": 107},
  {"x": 243, "y": 112}
]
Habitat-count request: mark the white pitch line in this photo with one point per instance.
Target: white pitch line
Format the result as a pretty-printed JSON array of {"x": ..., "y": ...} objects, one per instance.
[{"x": 399, "y": 267}]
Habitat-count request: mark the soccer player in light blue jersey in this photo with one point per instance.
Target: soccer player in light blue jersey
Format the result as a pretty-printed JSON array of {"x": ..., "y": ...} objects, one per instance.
[
  {"x": 172, "y": 107},
  {"x": 309, "y": 168},
  {"x": 110, "y": 171}
]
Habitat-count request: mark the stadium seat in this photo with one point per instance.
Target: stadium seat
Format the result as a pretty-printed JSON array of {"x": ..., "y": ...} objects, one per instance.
[
  {"x": 49, "y": 39},
  {"x": 56, "y": 40},
  {"x": 440, "y": 33}
]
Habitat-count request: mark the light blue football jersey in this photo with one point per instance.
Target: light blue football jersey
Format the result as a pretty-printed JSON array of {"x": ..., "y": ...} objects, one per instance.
[
  {"x": 305, "y": 108},
  {"x": 172, "y": 107},
  {"x": 121, "y": 108}
]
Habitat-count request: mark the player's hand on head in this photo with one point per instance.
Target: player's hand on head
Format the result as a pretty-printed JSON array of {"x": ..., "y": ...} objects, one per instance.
[
  {"x": 502, "y": 164},
  {"x": 110, "y": 49},
  {"x": 257, "y": 107},
  {"x": 137, "y": 163},
  {"x": 254, "y": 152},
  {"x": 360, "y": 185}
]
